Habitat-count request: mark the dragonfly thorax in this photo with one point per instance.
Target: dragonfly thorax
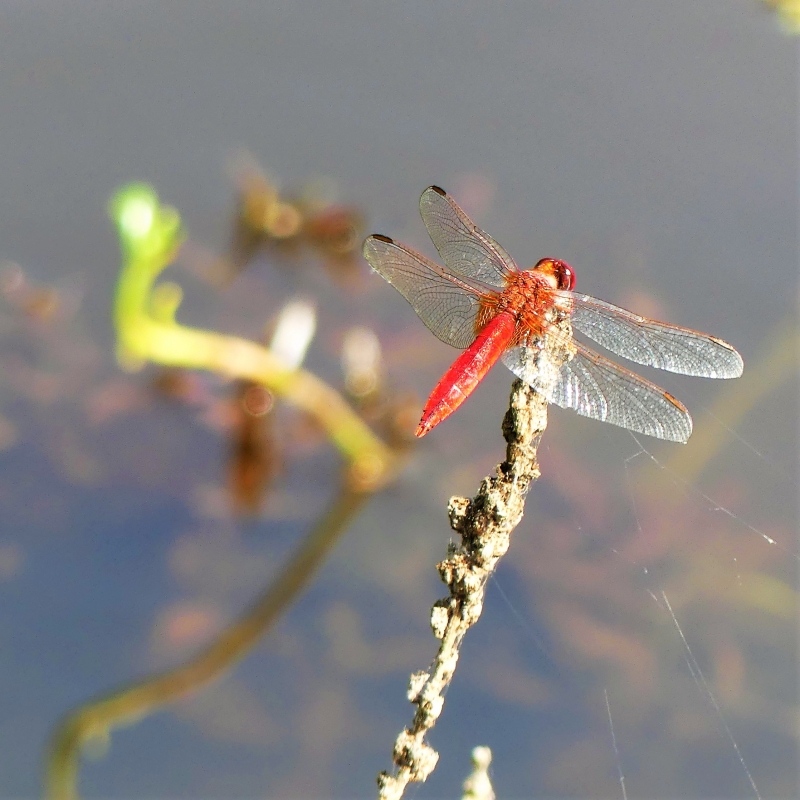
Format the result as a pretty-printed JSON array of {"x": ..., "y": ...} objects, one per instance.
[{"x": 530, "y": 297}]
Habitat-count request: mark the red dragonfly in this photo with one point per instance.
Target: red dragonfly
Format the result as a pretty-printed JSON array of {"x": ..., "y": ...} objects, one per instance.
[{"x": 480, "y": 301}]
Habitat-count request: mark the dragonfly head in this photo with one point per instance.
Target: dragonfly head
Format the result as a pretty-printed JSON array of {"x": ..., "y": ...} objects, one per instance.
[{"x": 559, "y": 271}]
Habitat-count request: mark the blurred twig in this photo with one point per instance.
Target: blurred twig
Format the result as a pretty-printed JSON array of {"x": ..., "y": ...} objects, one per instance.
[
  {"x": 478, "y": 785},
  {"x": 147, "y": 331},
  {"x": 94, "y": 720},
  {"x": 144, "y": 315}
]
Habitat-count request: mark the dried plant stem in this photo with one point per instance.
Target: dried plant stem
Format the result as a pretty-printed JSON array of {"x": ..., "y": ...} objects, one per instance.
[
  {"x": 95, "y": 719},
  {"x": 485, "y": 524}
]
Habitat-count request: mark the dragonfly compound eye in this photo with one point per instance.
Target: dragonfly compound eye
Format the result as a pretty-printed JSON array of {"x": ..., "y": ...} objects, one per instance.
[
  {"x": 561, "y": 272},
  {"x": 565, "y": 275}
]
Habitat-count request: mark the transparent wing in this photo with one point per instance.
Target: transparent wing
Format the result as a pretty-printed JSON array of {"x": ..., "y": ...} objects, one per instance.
[
  {"x": 463, "y": 246},
  {"x": 600, "y": 389},
  {"x": 655, "y": 344},
  {"x": 447, "y": 305},
  {"x": 532, "y": 365}
]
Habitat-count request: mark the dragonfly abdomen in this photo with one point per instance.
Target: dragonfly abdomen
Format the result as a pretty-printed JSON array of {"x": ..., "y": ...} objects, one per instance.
[{"x": 467, "y": 371}]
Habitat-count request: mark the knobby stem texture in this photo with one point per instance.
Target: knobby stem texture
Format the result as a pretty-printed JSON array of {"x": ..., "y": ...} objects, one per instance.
[{"x": 485, "y": 524}]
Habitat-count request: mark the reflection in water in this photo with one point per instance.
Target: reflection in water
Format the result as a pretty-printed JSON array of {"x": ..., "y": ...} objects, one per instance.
[
  {"x": 254, "y": 459},
  {"x": 266, "y": 221}
]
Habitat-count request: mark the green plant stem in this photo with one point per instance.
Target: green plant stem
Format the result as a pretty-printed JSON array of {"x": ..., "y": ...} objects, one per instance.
[
  {"x": 129, "y": 704},
  {"x": 144, "y": 336}
]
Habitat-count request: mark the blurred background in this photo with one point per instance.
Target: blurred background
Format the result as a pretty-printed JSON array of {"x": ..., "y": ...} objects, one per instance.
[{"x": 651, "y": 145}]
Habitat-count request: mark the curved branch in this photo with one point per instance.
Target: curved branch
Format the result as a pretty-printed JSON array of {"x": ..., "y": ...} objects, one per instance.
[
  {"x": 150, "y": 235},
  {"x": 95, "y": 719},
  {"x": 147, "y": 331}
]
